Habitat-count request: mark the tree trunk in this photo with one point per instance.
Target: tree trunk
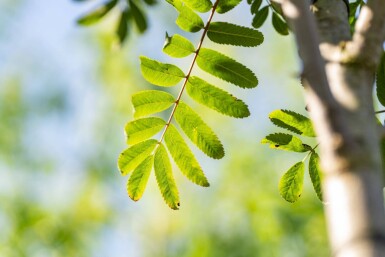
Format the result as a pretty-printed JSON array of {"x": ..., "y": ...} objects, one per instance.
[{"x": 338, "y": 77}]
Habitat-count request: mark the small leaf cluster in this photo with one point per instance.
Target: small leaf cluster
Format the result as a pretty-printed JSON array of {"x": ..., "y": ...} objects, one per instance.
[
  {"x": 145, "y": 153},
  {"x": 261, "y": 12},
  {"x": 291, "y": 183},
  {"x": 130, "y": 11}
]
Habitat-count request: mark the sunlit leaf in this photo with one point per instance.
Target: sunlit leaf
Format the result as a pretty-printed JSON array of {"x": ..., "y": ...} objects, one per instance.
[
  {"x": 199, "y": 5},
  {"x": 231, "y": 34},
  {"x": 291, "y": 183},
  {"x": 315, "y": 173},
  {"x": 285, "y": 142},
  {"x": 151, "y": 101},
  {"x": 178, "y": 46},
  {"x": 380, "y": 80},
  {"x": 165, "y": 179},
  {"x": 188, "y": 20},
  {"x": 130, "y": 158},
  {"x": 160, "y": 74},
  {"x": 226, "y": 5},
  {"x": 184, "y": 158},
  {"x": 280, "y": 25},
  {"x": 216, "y": 98},
  {"x": 138, "y": 179},
  {"x": 260, "y": 17},
  {"x": 96, "y": 14},
  {"x": 142, "y": 129},
  {"x": 138, "y": 15},
  {"x": 122, "y": 30},
  {"x": 226, "y": 68},
  {"x": 198, "y": 132},
  {"x": 292, "y": 121}
]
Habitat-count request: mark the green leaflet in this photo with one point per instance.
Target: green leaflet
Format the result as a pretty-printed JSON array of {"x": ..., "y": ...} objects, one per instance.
[
  {"x": 277, "y": 8},
  {"x": 178, "y": 46},
  {"x": 165, "y": 179},
  {"x": 96, "y": 14},
  {"x": 138, "y": 15},
  {"x": 226, "y": 68},
  {"x": 184, "y": 158},
  {"x": 380, "y": 80},
  {"x": 226, "y": 33},
  {"x": 315, "y": 173},
  {"x": 291, "y": 183},
  {"x": 160, "y": 74},
  {"x": 130, "y": 158},
  {"x": 142, "y": 129},
  {"x": 198, "y": 132},
  {"x": 138, "y": 180},
  {"x": 122, "y": 29},
  {"x": 280, "y": 25},
  {"x": 199, "y": 5},
  {"x": 255, "y": 6},
  {"x": 151, "y": 101},
  {"x": 226, "y": 5},
  {"x": 188, "y": 20},
  {"x": 260, "y": 17},
  {"x": 215, "y": 98},
  {"x": 285, "y": 142},
  {"x": 292, "y": 121}
]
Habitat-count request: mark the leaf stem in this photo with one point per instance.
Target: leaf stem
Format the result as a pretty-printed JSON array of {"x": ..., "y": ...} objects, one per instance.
[
  {"x": 378, "y": 112},
  {"x": 205, "y": 29},
  {"x": 310, "y": 152}
]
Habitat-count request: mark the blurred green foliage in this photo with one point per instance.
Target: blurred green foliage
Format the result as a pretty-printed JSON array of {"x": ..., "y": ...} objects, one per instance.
[{"x": 62, "y": 195}]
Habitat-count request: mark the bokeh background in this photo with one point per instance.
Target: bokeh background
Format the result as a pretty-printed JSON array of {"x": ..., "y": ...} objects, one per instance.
[{"x": 64, "y": 100}]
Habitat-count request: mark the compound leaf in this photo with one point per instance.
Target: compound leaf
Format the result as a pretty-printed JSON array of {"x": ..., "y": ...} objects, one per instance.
[
  {"x": 178, "y": 46},
  {"x": 199, "y": 5},
  {"x": 198, "y": 132},
  {"x": 188, "y": 20},
  {"x": 226, "y": 68},
  {"x": 142, "y": 129},
  {"x": 138, "y": 15},
  {"x": 291, "y": 183},
  {"x": 285, "y": 142},
  {"x": 165, "y": 179},
  {"x": 315, "y": 173},
  {"x": 130, "y": 158},
  {"x": 231, "y": 34},
  {"x": 292, "y": 121},
  {"x": 96, "y": 14},
  {"x": 380, "y": 80},
  {"x": 184, "y": 158},
  {"x": 216, "y": 98},
  {"x": 260, "y": 17},
  {"x": 160, "y": 74},
  {"x": 226, "y": 5},
  {"x": 280, "y": 25},
  {"x": 151, "y": 101},
  {"x": 139, "y": 178}
]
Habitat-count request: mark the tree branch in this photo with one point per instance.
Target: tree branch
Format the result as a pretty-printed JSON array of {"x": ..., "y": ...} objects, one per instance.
[{"x": 369, "y": 36}]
